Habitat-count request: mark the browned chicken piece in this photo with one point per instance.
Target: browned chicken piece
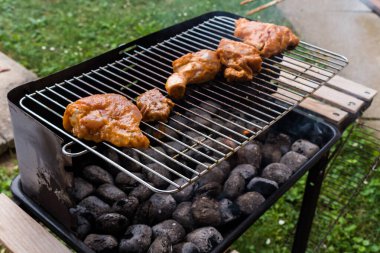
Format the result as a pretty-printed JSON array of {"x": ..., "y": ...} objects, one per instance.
[
  {"x": 242, "y": 61},
  {"x": 269, "y": 39},
  {"x": 198, "y": 67},
  {"x": 106, "y": 117},
  {"x": 154, "y": 106}
]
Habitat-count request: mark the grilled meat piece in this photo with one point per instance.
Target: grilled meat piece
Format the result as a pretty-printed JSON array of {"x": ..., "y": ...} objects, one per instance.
[
  {"x": 154, "y": 106},
  {"x": 198, "y": 67},
  {"x": 242, "y": 61},
  {"x": 269, "y": 39},
  {"x": 106, "y": 117}
]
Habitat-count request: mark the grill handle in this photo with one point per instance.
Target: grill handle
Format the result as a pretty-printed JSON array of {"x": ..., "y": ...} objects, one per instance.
[{"x": 71, "y": 154}]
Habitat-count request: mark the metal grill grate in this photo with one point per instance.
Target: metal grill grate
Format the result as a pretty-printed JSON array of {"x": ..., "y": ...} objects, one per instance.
[{"x": 220, "y": 116}]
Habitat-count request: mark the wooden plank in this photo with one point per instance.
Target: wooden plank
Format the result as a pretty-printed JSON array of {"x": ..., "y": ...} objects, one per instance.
[
  {"x": 339, "y": 99},
  {"x": 355, "y": 89},
  {"x": 334, "y": 103},
  {"x": 330, "y": 113},
  {"x": 21, "y": 234}
]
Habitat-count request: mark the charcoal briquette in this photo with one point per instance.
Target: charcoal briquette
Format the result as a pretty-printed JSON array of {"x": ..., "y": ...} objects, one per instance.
[
  {"x": 214, "y": 175},
  {"x": 184, "y": 194},
  {"x": 97, "y": 175},
  {"x": 185, "y": 247},
  {"x": 234, "y": 186},
  {"x": 284, "y": 142},
  {"x": 218, "y": 125},
  {"x": 183, "y": 215},
  {"x": 250, "y": 154},
  {"x": 130, "y": 164},
  {"x": 192, "y": 137},
  {"x": 237, "y": 125},
  {"x": 81, "y": 189},
  {"x": 263, "y": 186},
  {"x": 141, "y": 192},
  {"x": 271, "y": 137},
  {"x": 247, "y": 171},
  {"x": 110, "y": 193},
  {"x": 210, "y": 106},
  {"x": 101, "y": 243},
  {"x": 158, "y": 208},
  {"x": 225, "y": 168},
  {"x": 229, "y": 210},
  {"x": 271, "y": 153},
  {"x": 227, "y": 143},
  {"x": 199, "y": 116},
  {"x": 126, "y": 182},
  {"x": 170, "y": 228},
  {"x": 293, "y": 160},
  {"x": 277, "y": 172},
  {"x": 155, "y": 179},
  {"x": 164, "y": 132},
  {"x": 95, "y": 206},
  {"x": 161, "y": 244},
  {"x": 211, "y": 189},
  {"x": 305, "y": 148},
  {"x": 136, "y": 239},
  {"x": 158, "y": 153},
  {"x": 78, "y": 212},
  {"x": 179, "y": 122},
  {"x": 205, "y": 238},
  {"x": 111, "y": 223},
  {"x": 200, "y": 152},
  {"x": 249, "y": 202},
  {"x": 83, "y": 227},
  {"x": 113, "y": 156},
  {"x": 206, "y": 211},
  {"x": 174, "y": 148},
  {"x": 126, "y": 206}
]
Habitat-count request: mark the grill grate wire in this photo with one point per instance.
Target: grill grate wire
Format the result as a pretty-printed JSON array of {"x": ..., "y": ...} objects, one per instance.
[{"x": 245, "y": 110}]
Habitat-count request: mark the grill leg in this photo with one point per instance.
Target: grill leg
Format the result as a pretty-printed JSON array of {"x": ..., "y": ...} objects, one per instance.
[{"x": 309, "y": 205}]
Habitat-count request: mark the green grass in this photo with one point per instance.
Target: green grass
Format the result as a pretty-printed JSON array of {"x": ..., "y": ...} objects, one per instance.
[
  {"x": 7, "y": 173},
  {"x": 49, "y": 35}
]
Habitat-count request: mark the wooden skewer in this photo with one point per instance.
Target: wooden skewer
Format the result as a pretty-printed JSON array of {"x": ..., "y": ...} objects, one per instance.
[
  {"x": 246, "y": 1},
  {"x": 263, "y": 7}
]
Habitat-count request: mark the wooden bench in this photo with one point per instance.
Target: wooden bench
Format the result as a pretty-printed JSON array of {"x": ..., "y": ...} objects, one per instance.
[{"x": 335, "y": 102}]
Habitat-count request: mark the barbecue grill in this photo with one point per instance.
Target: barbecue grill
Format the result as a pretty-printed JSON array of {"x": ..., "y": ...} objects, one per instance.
[{"x": 48, "y": 155}]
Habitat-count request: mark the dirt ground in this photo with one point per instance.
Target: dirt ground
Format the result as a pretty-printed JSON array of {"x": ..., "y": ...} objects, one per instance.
[{"x": 8, "y": 160}]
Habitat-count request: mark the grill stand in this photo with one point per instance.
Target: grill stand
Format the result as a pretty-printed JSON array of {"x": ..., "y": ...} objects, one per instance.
[{"x": 309, "y": 204}]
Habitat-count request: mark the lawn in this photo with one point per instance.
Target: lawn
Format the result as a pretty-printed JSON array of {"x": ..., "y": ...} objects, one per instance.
[{"x": 49, "y": 35}]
